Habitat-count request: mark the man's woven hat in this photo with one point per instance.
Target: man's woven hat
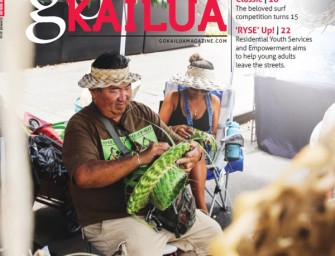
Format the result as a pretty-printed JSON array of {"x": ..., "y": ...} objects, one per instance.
[
  {"x": 102, "y": 78},
  {"x": 199, "y": 75}
]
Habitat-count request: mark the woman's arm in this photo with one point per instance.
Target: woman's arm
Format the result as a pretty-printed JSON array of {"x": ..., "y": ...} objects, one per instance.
[
  {"x": 168, "y": 106},
  {"x": 216, "y": 112}
]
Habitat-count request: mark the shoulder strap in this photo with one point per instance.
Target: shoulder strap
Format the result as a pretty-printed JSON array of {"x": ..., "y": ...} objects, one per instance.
[
  {"x": 210, "y": 112},
  {"x": 114, "y": 134},
  {"x": 187, "y": 109}
]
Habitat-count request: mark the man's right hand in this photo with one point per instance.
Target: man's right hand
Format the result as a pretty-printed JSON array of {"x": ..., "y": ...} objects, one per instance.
[{"x": 154, "y": 150}]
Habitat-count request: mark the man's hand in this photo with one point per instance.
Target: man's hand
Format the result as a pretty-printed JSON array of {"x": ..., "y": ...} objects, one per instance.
[
  {"x": 191, "y": 157},
  {"x": 183, "y": 131},
  {"x": 154, "y": 150}
]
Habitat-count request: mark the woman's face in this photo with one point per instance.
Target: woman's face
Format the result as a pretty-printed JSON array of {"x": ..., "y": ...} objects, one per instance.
[{"x": 196, "y": 91}]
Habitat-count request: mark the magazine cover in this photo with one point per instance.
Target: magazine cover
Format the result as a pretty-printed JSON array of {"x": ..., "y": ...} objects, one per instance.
[{"x": 270, "y": 81}]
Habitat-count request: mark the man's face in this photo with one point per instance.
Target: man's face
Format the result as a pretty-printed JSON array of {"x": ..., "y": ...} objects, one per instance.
[{"x": 113, "y": 100}]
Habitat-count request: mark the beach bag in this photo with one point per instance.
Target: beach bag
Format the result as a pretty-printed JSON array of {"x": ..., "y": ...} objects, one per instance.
[{"x": 179, "y": 217}]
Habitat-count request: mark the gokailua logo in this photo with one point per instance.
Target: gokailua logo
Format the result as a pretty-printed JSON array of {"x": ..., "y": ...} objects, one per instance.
[
  {"x": 44, "y": 19},
  {"x": 107, "y": 14}
]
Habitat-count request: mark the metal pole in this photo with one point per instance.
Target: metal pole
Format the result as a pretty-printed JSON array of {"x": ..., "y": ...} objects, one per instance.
[{"x": 123, "y": 29}]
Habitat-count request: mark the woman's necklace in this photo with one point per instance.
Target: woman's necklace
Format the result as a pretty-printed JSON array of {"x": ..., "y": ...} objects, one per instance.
[
  {"x": 198, "y": 104},
  {"x": 195, "y": 109}
]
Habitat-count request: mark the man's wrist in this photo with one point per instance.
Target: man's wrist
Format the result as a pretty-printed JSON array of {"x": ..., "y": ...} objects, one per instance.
[{"x": 138, "y": 159}]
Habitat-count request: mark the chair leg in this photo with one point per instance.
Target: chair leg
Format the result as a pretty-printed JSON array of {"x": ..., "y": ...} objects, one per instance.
[
  {"x": 218, "y": 192},
  {"x": 212, "y": 203},
  {"x": 225, "y": 192}
]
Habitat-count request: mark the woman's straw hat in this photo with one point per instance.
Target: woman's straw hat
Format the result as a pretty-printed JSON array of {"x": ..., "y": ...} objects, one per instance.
[{"x": 199, "y": 75}]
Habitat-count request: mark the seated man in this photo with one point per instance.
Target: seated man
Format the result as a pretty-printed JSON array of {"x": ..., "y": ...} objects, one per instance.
[{"x": 97, "y": 172}]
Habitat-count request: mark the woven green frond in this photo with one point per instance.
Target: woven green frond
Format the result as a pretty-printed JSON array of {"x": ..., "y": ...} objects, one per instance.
[
  {"x": 156, "y": 175},
  {"x": 203, "y": 138},
  {"x": 132, "y": 179},
  {"x": 174, "y": 180}
]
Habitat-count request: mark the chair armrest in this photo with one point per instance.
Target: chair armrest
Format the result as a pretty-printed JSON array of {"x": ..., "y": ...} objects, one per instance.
[{"x": 233, "y": 139}]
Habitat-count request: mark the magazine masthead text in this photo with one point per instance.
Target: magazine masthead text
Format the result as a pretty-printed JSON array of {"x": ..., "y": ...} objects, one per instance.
[{"x": 107, "y": 14}]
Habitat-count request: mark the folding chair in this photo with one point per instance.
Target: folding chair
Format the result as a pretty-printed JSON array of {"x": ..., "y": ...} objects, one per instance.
[
  {"x": 221, "y": 167},
  {"x": 227, "y": 136}
]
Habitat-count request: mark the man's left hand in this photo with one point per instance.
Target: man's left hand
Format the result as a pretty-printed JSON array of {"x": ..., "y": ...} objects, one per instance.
[{"x": 191, "y": 158}]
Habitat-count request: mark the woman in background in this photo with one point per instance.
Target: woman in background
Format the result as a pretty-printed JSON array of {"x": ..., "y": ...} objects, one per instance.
[{"x": 194, "y": 106}]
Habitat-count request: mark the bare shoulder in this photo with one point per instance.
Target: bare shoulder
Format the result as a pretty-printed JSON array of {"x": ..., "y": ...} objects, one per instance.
[
  {"x": 171, "y": 96},
  {"x": 215, "y": 100}
]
